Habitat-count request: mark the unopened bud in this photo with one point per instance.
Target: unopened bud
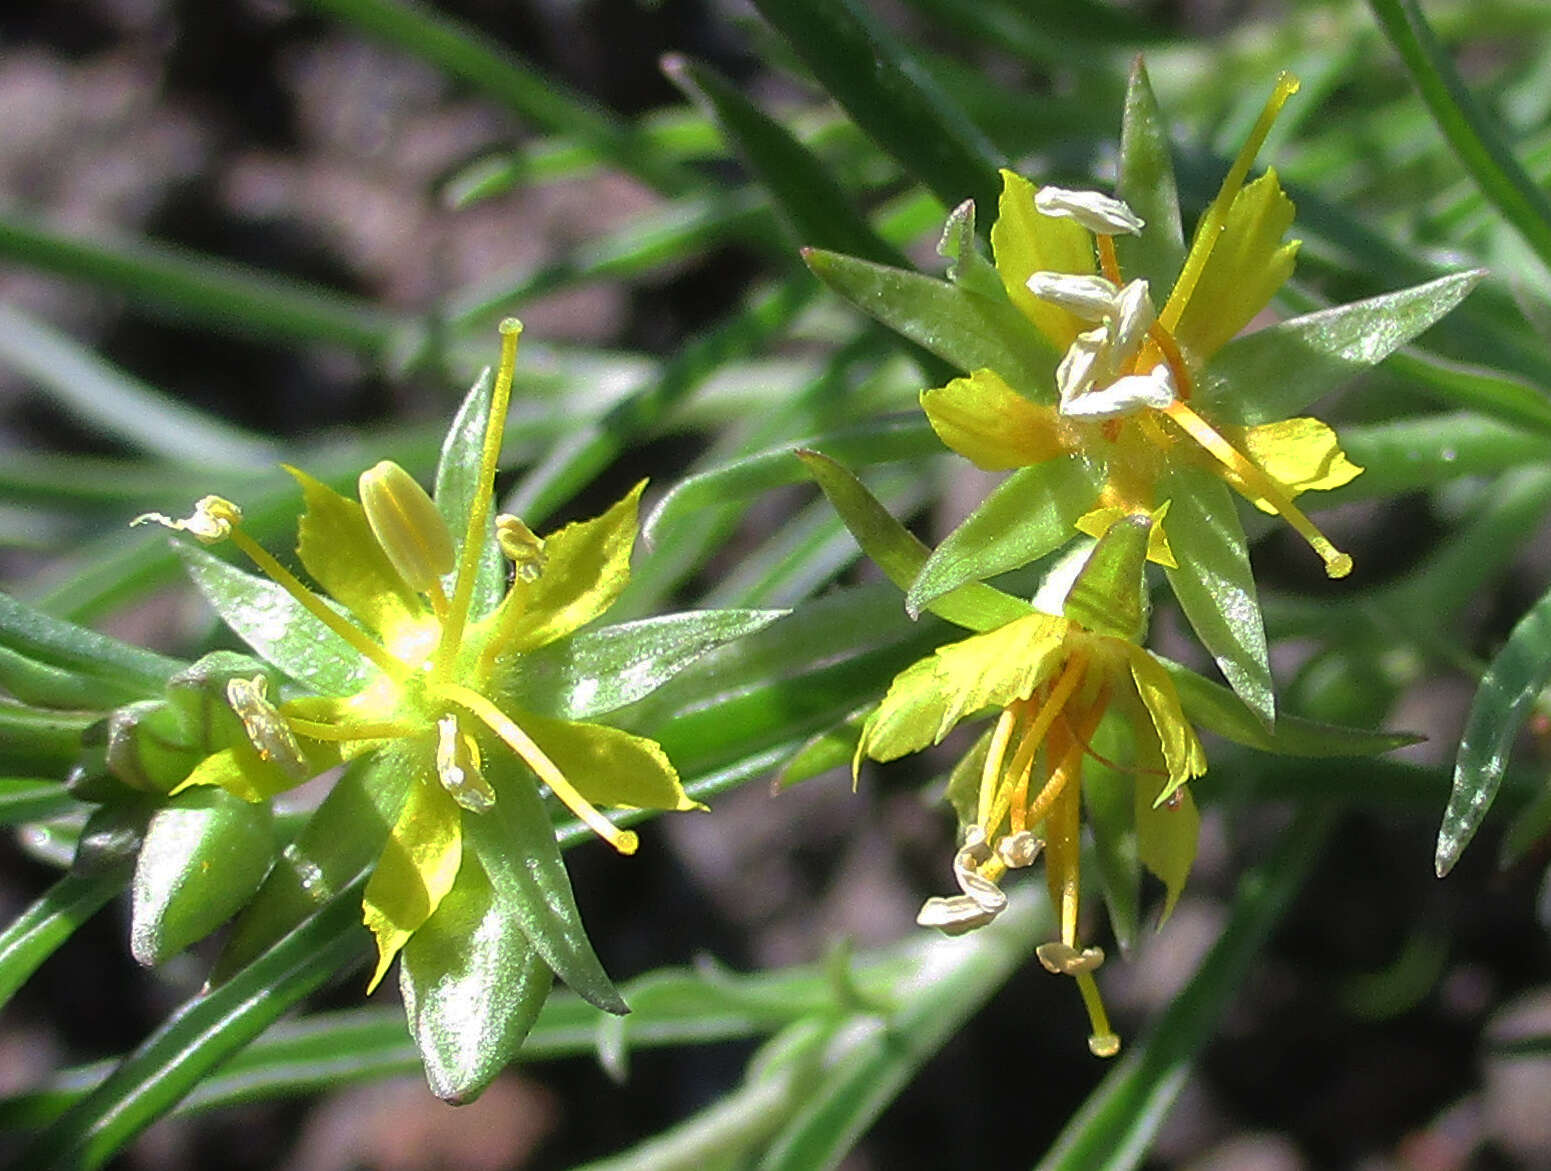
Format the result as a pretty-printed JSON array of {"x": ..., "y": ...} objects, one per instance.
[
  {"x": 1100, "y": 214},
  {"x": 212, "y": 520},
  {"x": 407, "y": 525},
  {"x": 522, "y": 547}
]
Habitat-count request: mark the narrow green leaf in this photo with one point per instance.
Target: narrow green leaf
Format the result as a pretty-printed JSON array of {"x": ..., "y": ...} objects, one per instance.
[
  {"x": 515, "y": 843},
  {"x": 275, "y": 625},
  {"x": 597, "y": 671},
  {"x": 966, "y": 330},
  {"x": 473, "y": 986},
  {"x": 1400, "y": 455},
  {"x": 900, "y": 555},
  {"x": 114, "y": 403},
  {"x": 38, "y": 740},
  {"x": 200, "y": 1036},
  {"x": 890, "y": 96},
  {"x": 1276, "y": 372},
  {"x": 1479, "y": 143},
  {"x": 1146, "y": 183},
  {"x": 38, "y": 932},
  {"x": 1213, "y": 708},
  {"x": 1214, "y": 585},
  {"x": 1116, "y": 1125},
  {"x": 29, "y": 799},
  {"x": 1505, "y": 699},
  {"x": 129, "y": 672},
  {"x": 204, "y": 855},
  {"x": 1027, "y": 515}
]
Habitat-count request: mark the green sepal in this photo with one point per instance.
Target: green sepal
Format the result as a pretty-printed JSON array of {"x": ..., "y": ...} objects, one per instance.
[
  {"x": 1213, "y": 708},
  {"x": 1027, "y": 515},
  {"x": 1146, "y": 183},
  {"x": 598, "y": 671},
  {"x": 472, "y": 985},
  {"x": 1109, "y": 594},
  {"x": 900, "y": 555},
  {"x": 148, "y": 746},
  {"x": 276, "y": 625},
  {"x": 1276, "y": 372},
  {"x": 1166, "y": 833},
  {"x": 204, "y": 855},
  {"x": 340, "y": 840},
  {"x": 457, "y": 480},
  {"x": 1214, "y": 584},
  {"x": 1109, "y": 803},
  {"x": 515, "y": 843},
  {"x": 965, "y": 329},
  {"x": 968, "y": 267},
  {"x": 1508, "y": 693},
  {"x": 832, "y": 748}
]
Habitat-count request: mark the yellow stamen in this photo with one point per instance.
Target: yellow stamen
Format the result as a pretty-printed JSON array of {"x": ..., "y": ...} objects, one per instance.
[
  {"x": 1216, "y": 217},
  {"x": 479, "y": 509},
  {"x": 288, "y": 581},
  {"x": 1168, "y": 348},
  {"x": 1062, "y": 845},
  {"x": 995, "y": 753},
  {"x": 1254, "y": 478},
  {"x": 1103, "y": 1042},
  {"x": 1109, "y": 261},
  {"x": 1023, "y": 759},
  {"x": 623, "y": 840}
]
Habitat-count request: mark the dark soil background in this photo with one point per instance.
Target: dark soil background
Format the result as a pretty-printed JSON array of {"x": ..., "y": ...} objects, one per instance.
[{"x": 249, "y": 131}]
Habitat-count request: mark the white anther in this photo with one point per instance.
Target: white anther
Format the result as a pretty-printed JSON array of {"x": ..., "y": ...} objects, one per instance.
[
  {"x": 1091, "y": 298},
  {"x": 1100, "y": 214},
  {"x": 1081, "y": 363},
  {"x": 266, "y": 728},
  {"x": 1123, "y": 396},
  {"x": 1065, "y": 960},
  {"x": 1019, "y": 850},
  {"x": 954, "y": 916},
  {"x": 976, "y": 886},
  {"x": 1134, "y": 316},
  {"x": 212, "y": 520}
]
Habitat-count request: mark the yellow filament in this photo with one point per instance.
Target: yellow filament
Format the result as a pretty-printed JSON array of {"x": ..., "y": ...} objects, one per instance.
[
  {"x": 438, "y": 598},
  {"x": 1109, "y": 261},
  {"x": 623, "y": 840},
  {"x": 1023, "y": 759},
  {"x": 995, "y": 753},
  {"x": 1062, "y": 849},
  {"x": 1102, "y": 1042},
  {"x": 1337, "y": 563},
  {"x": 479, "y": 510},
  {"x": 1216, "y": 216},
  {"x": 288, "y": 581}
]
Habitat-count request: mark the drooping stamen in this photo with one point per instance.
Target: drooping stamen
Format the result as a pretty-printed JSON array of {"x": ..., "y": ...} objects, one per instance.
[
  {"x": 623, "y": 840},
  {"x": 995, "y": 753},
  {"x": 1102, "y": 1042},
  {"x": 1253, "y": 477},
  {"x": 288, "y": 581},
  {"x": 1023, "y": 758},
  {"x": 479, "y": 509},
  {"x": 1216, "y": 217},
  {"x": 1062, "y": 845}
]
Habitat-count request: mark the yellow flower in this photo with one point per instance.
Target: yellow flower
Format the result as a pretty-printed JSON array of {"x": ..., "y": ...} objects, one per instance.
[
  {"x": 1128, "y": 370},
  {"x": 1052, "y": 680}
]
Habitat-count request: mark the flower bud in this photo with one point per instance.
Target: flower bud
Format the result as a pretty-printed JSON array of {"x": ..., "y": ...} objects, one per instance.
[
  {"x": 407, "y": 525},
  {"x": 1100, "y": 214}
]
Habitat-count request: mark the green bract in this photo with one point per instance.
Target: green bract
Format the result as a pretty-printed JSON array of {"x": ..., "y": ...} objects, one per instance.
[
  {"x": 1103, "y": 407},
  {"x": 446, "y": 694}
]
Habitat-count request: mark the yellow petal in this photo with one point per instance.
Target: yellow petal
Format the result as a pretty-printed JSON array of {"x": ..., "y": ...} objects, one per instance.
[
  {"x": 1096, "y": 523},
  {"x": 611, "y": 767},
  {"x": 337, "y": 548},
  {"x": 1247, "y": 265},
  {"x": 1025, "y": 242},
  {"x": 926, "y": 700},
  {"x": 416, "y": 869},
  {"x": 587, "y": 564},
  {"x": 1301, "y": 454},
  {"x": 991, "y": 424},
  {"x": 1166, "y": 837},
  {"x": 1183, "y": 755}
]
